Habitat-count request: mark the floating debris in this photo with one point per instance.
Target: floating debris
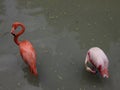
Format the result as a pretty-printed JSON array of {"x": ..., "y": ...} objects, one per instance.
[{"x": 60, "y": 77}]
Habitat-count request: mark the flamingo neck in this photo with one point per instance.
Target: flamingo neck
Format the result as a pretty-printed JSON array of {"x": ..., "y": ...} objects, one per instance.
[
  {"x": 18, "y": 34},
  {"x": 16, "y": 40}
]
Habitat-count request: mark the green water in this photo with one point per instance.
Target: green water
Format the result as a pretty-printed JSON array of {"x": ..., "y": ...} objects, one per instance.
[{"x": 61, "y": 32}]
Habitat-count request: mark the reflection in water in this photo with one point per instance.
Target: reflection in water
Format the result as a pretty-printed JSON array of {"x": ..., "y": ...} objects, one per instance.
[
  {"x": 30, "y": 77},
  {"x": 61, "y": 31}
]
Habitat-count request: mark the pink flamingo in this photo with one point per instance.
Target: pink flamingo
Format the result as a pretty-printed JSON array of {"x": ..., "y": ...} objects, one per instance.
[
  {"x": 97, "y": 58},
  {"x": 26, "y": 49}
]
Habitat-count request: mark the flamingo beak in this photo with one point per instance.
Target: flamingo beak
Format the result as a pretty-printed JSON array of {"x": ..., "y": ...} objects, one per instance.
[
  {"x": 12, "y": 31},
  {"x": 105, "y": 74}
]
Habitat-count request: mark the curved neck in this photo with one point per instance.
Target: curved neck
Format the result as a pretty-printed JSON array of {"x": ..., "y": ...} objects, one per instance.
[{"x": 19, "y": 33}]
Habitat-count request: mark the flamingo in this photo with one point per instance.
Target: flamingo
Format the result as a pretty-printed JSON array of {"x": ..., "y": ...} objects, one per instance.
[
  {"x": 99, "y": 60},
  {"x": 26, "y": 49}
]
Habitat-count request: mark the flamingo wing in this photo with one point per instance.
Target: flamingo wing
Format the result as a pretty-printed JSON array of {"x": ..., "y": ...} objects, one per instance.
[{"x": 27, "y": 52}]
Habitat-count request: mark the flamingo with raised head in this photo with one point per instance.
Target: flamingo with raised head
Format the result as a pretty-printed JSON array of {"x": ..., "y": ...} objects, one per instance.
[
  {"x": 99, "y": 60},
  {"x": 26, "y": 49}
]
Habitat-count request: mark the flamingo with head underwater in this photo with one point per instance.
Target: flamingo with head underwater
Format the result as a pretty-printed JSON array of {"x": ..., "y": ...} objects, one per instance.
[
  {"x": 26, "y": 49},
  {"x": 99, "y": 60}
]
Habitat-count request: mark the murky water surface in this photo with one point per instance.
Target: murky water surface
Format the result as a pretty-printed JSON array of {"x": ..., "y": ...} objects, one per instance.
[{"x": 61, "y": 31}]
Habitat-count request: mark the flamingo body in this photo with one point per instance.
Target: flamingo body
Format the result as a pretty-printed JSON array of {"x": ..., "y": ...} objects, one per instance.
[
  {"x": 97, "y": 58},
  {"x": 28, "y": 54},
  {"x": 26, "y": 49}
]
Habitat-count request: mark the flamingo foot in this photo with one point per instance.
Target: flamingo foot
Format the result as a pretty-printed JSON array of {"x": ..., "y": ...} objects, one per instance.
[{"x": 90, "y": 70}]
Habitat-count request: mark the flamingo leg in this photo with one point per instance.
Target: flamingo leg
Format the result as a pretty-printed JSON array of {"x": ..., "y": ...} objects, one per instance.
[{"x": 88, "y": 68}]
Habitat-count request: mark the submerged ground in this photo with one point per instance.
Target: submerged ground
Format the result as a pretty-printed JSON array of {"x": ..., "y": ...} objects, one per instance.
[{"x": 61, "y": 32}]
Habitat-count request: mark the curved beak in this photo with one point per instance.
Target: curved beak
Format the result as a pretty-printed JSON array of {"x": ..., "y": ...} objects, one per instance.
[
  {"x": 104, "y": 73},
  {"x": 12, "y": 31},
  {"x": 106, "y": 76}
]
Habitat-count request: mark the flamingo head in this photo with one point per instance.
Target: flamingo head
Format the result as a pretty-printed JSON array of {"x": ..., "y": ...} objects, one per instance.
[
  {"x": 14, "y": 27},
  {"x": 104, "y": 72}
]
